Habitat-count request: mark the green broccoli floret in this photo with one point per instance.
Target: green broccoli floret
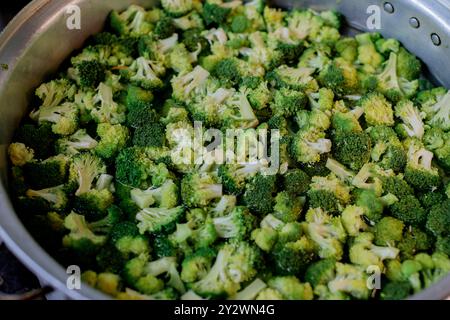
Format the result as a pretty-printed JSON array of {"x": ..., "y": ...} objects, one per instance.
[
  {"x": 236, "y": 262},
  {"x": 412, "y": 120},
  {"x": 392, "y": 85},
  {"x": 377, "y": 110},
  {"x": 436, "y": 108},
  {"x": 352, "y": 149},
  {"x": 84, "y": 171},
  {"x": 353, "y": 220},
  {"x": 408, "y": 66},
  {"x": 339, "y": 76},
  {"x": 258, "y": 195},
  {"x": 149, "y": 135},
  {"x": 184, "y": 85},
  {"x": 126, "y": 239},
  {"x": 294, "y": 78},
  {"x": 137, "y": 99},
  {"x": 350, "y": 279},
  {"x": 288, "y": 207},
  {"x": 291, "y": 288},
  {"x": 326, "y": 232},
  {"x": 90, "y": 73},
  {"x": 372, "y": 204},
  {"x": 293, "y": 257},
  {"x": 414, "y": 240},
  {"x": 287, "y": 102},
  {"x": 131, "y": 21},
  {"x": 48, "y": 173},
  {"x": 64, "y": 118},
  {"x": 165, "y": 196},
  {"x": 145, "y": 73},
  {"x": 438, "y": 141},
  {"x": 20, "y": 154},
  {"x": 55, "y": 92},
  {"x": 396, "y": 290},
  {"x": 419, "y": 171},
  {"x": 55, "y": 197},
  {"x": 438, "y": 220},
  {"x": 397, "y": 186},
  {"x": 214, "y": 13},
  {"x": 233, "y": 177},
  {"x": 296, "y": 181},
  {"x": 154, "y": 220},
  {"x": 386, "y": 46},
  {"x": 113, "y": 138},
  {"x": 409, "y": 210},
  {"x": 199, "y": 188},
  {"x": 328, "y": 193},
  {"x": 93, "y": 203},
  {"x": 197, "y": 265},
  {"x": 81, "y": 238},
  {"x": 431, "y": 198},
  {"x": 78, "y": 142},
  {"x": 308, "y": 145},
  {"x": 388, "y": 231},
  {"x": 321, "y": 272},
  {"x": 237, "y": 224},
  {"x": 103, "y": 108},
  {"x": 367, "y": 53}
]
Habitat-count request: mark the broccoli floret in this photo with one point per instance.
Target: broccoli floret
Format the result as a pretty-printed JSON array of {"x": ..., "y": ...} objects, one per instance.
[
  {"x": 350, "y": 279},
  {"x": 373, "y": 205},
  {"x": 352, "y": 149},
  {"x": 292, "y": 258},
  {"x": 392, "y": 85},
  {"x": 233, "y": 177},
  {"x": 419, "y": 171},
  {"x": 437, "y": 110},
  {"x": 113, "y": 138},
  {"x": 103, "y": 108},
  {"x": 48, "y": 173},
  {"x": 126, "y": 239},
  {"x": 438, "y": 220},
  {"x": 431, "y": 198},
  {"x": 326, "y": 232},
  {"x": 131, "y": 21},
  {"x": 294, "y": 78},
  {"x": 339, "y": 76},
  {"x": 236, "y": 262},
  {"x": 90, "y": 73},
  {"x": 296, "y": 181},
  {"x": 137, "y": 99},
  {"x": 78, "y": 142},
  {"x": 377, "y": 110},
  {"x": 145, "y": 73},
  {"x": 64, "y": 118},
  {"x": 291, "y": 288},
  {"x": 149, "y": 135},
  {"x": 321, "y": 272},
  {"x": 154, "y": 220},
  {"x": 414, "y": 240},
  {"x": 386, "y": 46},
  {"x": 408, "y": 66},
  {"x": 258, "y": 195},
  {"x": 397, "y": 186},
  {"x": 308, "y": 145},
  {"x": 93, "y": 203},
  {"x": 81, "y": 238},
  {"x": 287, "y": 102},
  {"x": 214, "y": 13},
  {"x": 237, "y": 224},
  {"x": 353, "y": 220},
  {"x": 55, "y": 92},
  {"x": 197, "y": 265},
  {"x": 184, "y": 85},
  {"x": 412, "y": 120},
  {"x": 409, "y": 210},
  {"x": 395, "y": 290},
  {"x": 443, "y": 245},
  {"x": 20, "y": 154},
  {"x": 328, "y": 193},
  {"x": 199, "y": 188},
  {"x": 54, "y": 197},
  {"x": 388, "y": 231},
  {"x": 135, "y": 168},
  {"x": 288, "y": 207},
  {"x": 265, "y": 238},
  {"x": 165, "y": 196},
  {"x": 84, "y": 170},
  {"x": 438, "y": 141}
]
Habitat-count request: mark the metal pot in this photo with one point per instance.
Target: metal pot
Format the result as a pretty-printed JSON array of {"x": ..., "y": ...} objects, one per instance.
[{"x": 38, "y": 40}]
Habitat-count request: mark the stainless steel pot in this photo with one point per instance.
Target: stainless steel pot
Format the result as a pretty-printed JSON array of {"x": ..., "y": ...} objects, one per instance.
[{"x": 38, "y": 40}]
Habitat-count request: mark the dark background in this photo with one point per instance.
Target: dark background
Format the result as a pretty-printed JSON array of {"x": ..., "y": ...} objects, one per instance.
[{"x": 14, "y": 277}]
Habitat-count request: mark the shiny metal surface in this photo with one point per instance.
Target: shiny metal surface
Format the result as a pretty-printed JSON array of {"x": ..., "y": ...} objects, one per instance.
[{"x": 38, "y": 40}]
